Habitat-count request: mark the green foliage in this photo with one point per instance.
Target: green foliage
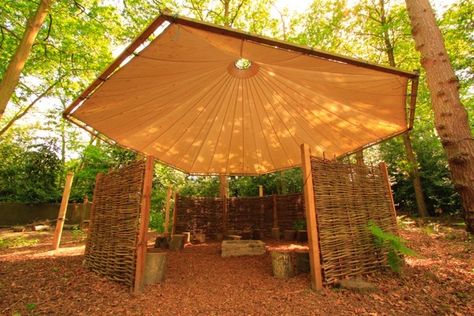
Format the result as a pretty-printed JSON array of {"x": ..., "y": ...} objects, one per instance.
[
  {"x": 299, "y": 224},
  {"x": 393, "y": 244},
  {"x": 17, "y": 242},
  {"x": 28, "y": 173},
  {"x": 78, "y": 234}
]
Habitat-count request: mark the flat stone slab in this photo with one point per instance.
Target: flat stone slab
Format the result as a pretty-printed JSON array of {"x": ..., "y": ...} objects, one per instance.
[{"x": 236, "y": 248}]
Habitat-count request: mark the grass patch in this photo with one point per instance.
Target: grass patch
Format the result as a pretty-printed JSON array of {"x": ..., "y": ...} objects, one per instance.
[{"x": 17, "y": 242}]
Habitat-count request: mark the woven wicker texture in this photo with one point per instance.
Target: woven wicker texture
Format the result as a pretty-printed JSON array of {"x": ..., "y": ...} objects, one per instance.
[
  {"x": 204, "y": 214},
  {"x": 112, "y": 240},
  {"x": 348, "y": 196}
]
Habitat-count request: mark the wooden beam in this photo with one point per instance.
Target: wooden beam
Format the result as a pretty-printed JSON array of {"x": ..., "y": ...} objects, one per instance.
[
  {"x": 143, "y": 226},
  {"x": 167, "y": 211},
  {"x": 62, "y": 211},
  {"x": 311, "y": 219},
  {"x": 175, "y": 213},
  {"x": 388, "y": 187},
  {"x": 413, "y": 95}
]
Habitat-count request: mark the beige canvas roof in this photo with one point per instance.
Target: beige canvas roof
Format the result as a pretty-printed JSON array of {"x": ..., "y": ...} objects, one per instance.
[{"x": 182, "y": 100}]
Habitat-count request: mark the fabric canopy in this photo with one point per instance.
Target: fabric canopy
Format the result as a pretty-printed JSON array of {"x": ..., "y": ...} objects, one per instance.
[{"x": 183, "y": 100}]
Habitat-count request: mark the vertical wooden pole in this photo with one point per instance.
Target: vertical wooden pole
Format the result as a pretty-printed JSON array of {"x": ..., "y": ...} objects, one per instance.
[
  {"x": 275, "y": 213},
  {"x": 143, "y": 227},
  {"x": 384, "y": 172},
  {"x": 175, "y": 212},
  {"x": 167, "y": 211},
  {"x": 84, "y": 210},
  {"x": 224, "y": 193},
  {"x": 260, "y": 190},
  {"x": 311, "y": 219},
  {"x": 262, "y": 207},
  {"x": 62, "y": 211}
]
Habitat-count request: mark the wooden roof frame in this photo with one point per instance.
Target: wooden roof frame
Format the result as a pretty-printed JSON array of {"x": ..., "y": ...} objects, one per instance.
[{"x": 165, "y": 16}]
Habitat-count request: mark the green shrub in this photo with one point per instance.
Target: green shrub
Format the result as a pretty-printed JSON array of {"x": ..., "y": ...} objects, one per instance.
[
  {"x": 17, "y": 242},
  {"x": 299, "y": 224},
  {"x": 393, "y": 244}
]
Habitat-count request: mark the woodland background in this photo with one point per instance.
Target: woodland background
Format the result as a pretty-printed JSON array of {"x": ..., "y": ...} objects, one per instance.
[{"x": 81, "y": 37}]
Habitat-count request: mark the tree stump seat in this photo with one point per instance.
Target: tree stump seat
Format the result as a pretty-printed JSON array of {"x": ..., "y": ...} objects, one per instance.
[{"x": 287, "y": 263}]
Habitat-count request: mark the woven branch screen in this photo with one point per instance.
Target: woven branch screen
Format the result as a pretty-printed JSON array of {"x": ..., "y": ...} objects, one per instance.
[
  {"x": 112, "y": 241},
  {"x": 205, "y": 214},
  {"x": 348, "y": 196}
]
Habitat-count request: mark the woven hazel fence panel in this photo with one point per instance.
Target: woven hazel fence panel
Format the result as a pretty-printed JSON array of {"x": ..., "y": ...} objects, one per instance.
[
  {"x": 205, "y": 214},
  {"x": 112, "y": 240},
  {"x": 290, "y": 208},
  {"x": 347, "y": 197},
  {"x": 199, "y": 214}
]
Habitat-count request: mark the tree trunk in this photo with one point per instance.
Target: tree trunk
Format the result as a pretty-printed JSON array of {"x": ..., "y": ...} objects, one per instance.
[
  {"x": 414, "y": 174},
  {"x": 12, "y": 74},
  {"x": 451, "y": 118}
]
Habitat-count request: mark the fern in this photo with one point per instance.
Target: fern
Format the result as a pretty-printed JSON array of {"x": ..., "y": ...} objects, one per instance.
[{"x": 393, "y": 244}]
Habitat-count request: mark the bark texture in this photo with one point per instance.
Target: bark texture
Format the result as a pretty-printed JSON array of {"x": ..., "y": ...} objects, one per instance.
[
  {"x": 451, "y": 118},
  {"x": 12, "y": 74}
]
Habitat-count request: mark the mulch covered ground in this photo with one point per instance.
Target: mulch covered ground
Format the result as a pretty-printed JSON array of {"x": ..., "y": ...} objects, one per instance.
[{"x": 35, "y": 281}]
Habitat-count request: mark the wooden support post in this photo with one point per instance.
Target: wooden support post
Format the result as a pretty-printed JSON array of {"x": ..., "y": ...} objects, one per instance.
[
  {"x": 167, "y": 211},
  {"x": 384, "y": 172},
  {"x": 260, "y": 190},
  {"x": 223, "y": 186},
  {"x": 83, "y": 212},
  {"x": 224, "y": 193},
  {"x": 175, "y": 213},
  {"x": 62, "y": 211},
  {"x": 143, "y": 226},
  {"x": 262, "y": 207},
  {"x": 311, "y": 219}
]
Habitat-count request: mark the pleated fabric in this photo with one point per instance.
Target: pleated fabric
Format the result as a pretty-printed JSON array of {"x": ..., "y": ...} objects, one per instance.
[{"x": 182, "y": 100}]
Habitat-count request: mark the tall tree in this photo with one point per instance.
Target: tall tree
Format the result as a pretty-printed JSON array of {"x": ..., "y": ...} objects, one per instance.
[
  {"x": 17, "y": 62},
  {"x": 388, "y": 28},
  {"x": 451, "y": 119}
]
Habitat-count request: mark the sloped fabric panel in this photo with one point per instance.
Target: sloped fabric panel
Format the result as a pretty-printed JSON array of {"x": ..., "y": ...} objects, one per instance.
[{"x": 183, "y": 101}]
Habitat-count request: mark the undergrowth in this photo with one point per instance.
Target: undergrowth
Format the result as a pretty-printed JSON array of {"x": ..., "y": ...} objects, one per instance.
[
  {"x": 17, "y": 242},
  {"x": 394, "y": 245}
]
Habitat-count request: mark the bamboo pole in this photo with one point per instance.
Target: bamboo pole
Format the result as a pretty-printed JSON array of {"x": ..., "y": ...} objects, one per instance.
[
  {"x": 62, "y": 211},
  {"x": 167, "y": 211},
  {"x": 143, "y": 228},
  {"x": 311, "y": 220}
]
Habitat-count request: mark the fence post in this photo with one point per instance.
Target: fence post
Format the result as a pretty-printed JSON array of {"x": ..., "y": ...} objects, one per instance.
[
  {"x": 175, "y": 212},
  {"x": 143, "y": 228},
  {"x": 62, "y": 211},
  {"x": 167, "y": 211},
  {"x": 312, "y": 225}
]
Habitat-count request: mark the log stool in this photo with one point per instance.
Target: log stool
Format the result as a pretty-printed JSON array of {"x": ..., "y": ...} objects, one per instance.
[
  {"x": 177, "y": 242},
  {"x": 155, "y": 267}
]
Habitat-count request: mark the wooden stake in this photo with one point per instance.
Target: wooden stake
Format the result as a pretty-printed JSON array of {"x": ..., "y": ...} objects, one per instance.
[
  {"x": 311, "y": 219},
  {"x": 175, "y": 212},
  {"x": 167, "y": 210},
  {"x": 83, "y": 212},
  {"x": 224, "y": 215},
  {"x": 62, "y": 211},
  {"x": 384, "y": 172},
  {"x": 143, "y": 228}
]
